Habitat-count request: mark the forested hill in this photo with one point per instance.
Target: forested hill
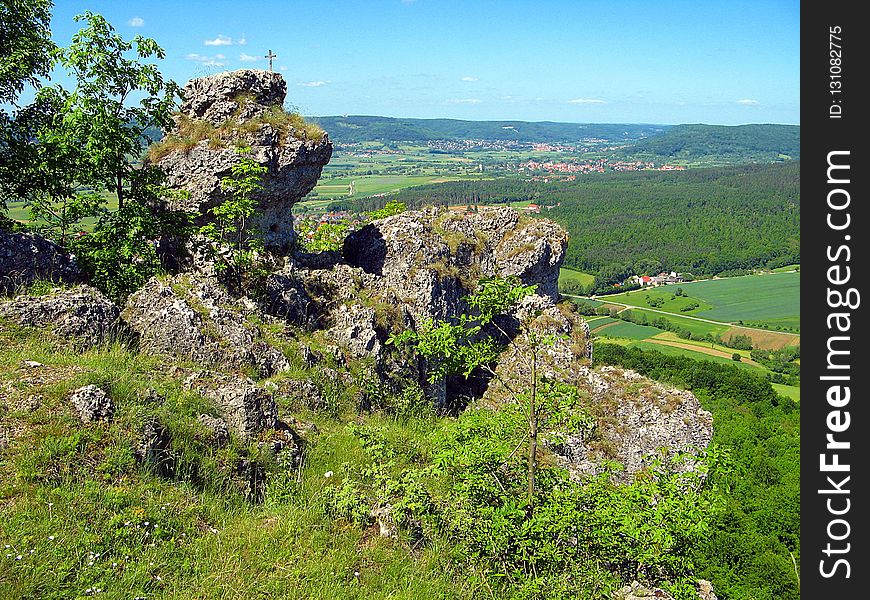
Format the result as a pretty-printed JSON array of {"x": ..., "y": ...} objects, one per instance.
[
  {"x": 702, "y": 221},
  {"x": 746, "y": 143},
  {"x": 353, "y": 129}
]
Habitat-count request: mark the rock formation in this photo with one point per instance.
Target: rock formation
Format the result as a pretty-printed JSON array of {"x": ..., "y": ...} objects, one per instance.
[
  {"x": 431, "y": 258},
  {"x": 28, "y": 257},
  {"x": 243, "y": 108},
  {"x": 82, "y": 314},
  {"x": 92, "y": 403},
  {"x": 193, "y": 317}
]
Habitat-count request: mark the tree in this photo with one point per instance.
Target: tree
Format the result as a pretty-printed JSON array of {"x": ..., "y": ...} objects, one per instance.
[
  {"x": 99, "y": 117},
  {"x": 465, "y": 345},
  {"x": 27, "y": 52},
  {"x": 231, "y": 216}
]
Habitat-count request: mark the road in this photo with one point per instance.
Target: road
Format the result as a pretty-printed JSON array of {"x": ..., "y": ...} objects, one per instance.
[{"x": 664, "y": 312}]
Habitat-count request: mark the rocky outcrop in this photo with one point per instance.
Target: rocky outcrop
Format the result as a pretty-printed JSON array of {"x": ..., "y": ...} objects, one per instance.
[
  {"x": 92, "y": 403},
  {"x": 243, "y": 108},
  {"x": 193, "y": 317},
  {"x": 82, "y": 314},
  {"x": 432, "y": 257},
  {"x": 27, "y": 257},
  {"x": 246, "y": 408},
  {"x": 632, "y": 417}
]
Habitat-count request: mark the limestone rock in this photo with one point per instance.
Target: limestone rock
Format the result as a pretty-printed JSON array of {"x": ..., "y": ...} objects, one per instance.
[
  {"x": 154, "y": 448},
  {"x": 355, "y": 329},
  {"x": 27, "y": 257},
  {"x": 705, "y": 590},
  {"x": 92, "y": 403},
  {"x": 637, "y": 591},
  {"x": 220, "y": 434},
  {"x": 637, "y": 419},
  {"x": 246, "y": 407},
  {"x": 432, "y": 257},
  {"x": 294, "y": 162},
  {"x": 216, "y": 98},
  {"x": 81, "y": 313},
  {"x": 193, "y": 317}
]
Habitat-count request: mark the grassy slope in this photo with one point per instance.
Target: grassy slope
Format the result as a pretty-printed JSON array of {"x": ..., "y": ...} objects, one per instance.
[{"x": 82, "y": 516}]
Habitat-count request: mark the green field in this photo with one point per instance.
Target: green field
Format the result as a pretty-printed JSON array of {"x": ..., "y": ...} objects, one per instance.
[
  {"x": 623, "y": 329},
  {"x": 570, "y": 275},
  {"x": 773, "y": 297},
  {"x": 771, "y": 300},
  {"x": 674, "y": 351},
  {"x": 789, "y": 391}
]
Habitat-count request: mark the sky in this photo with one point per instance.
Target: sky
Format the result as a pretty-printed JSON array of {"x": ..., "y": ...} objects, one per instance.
[{"x": 725, "y": 62}]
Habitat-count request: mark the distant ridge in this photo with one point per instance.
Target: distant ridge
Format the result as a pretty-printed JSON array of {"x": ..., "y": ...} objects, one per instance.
[
  {"x": 360, "y": 128},
  {"x": 760, "y": 143}
]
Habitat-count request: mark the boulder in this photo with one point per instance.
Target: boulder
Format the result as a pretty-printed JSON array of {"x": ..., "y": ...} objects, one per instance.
[
  {"x": 28, "y": 257},
  {"x": 193, "y": 317},
  {"x": 637, "y": 591},
  {"x": 92, "y": 403},
  {"x": 81, "y": 313},
  {"x": 243, "y": 108},
  {"x": 217, "y": 428},
  {"x": 246, "y": 408}
]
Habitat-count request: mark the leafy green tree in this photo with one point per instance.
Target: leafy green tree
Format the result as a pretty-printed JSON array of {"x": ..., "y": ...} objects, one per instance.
[
  {"x": 231, "y": 217},
  {"x": 465, "y": 345},
  {"x": 100, "y": 116},
  {"x": 27, "y": 52}
]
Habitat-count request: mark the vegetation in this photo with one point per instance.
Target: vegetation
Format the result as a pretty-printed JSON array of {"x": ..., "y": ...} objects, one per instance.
[
  {"x": 234, "y": 245},
  {"x": 700, "y": 221},
  {"x": 190, "y": 132},
  {"x": 748, "y": 143},
  {"x": 749, "y": 551}
]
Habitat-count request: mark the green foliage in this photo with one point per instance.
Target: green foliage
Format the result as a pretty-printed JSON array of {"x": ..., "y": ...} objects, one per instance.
[
  {"x": 98, "y": 117},
  {"x": 322, "y": 237},
  {"x": 231, "y": 217},
  {"x": 57, "y": 218},
  {"x": 121, "y": 253},
  {"x": 748, "y": 550},
  {"x": 27, "y": 51},
  {"x": 453, "y": 348},
  {"x": 393, "y": 207}
]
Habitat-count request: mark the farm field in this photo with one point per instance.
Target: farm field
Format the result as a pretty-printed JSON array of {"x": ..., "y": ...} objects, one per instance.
[
  {"x": 570, "y": 275},
  {"x": 770, "y": 300}
]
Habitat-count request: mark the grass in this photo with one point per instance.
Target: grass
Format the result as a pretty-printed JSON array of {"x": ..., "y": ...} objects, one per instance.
[
  {"x": 190, "y": 132},
  {"x": 623, "y": 329}
]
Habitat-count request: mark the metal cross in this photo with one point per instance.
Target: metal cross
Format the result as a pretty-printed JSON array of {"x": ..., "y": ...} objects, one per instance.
[{"x": 270, "y": 56}]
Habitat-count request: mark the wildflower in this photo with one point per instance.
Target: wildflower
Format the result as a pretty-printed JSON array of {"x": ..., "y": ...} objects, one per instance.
[
  {"x": 18, "y": 557},
  {"x": 328, "y": 474},
  {"x": 51, "y": 538}
]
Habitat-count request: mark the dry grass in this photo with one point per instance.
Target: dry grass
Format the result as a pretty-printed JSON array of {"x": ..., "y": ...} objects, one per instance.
[{"x": 190, "y": 132}]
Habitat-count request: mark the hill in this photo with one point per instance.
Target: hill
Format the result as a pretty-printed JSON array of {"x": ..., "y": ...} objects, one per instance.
[
  {"x": 355, "y": 129},
  {"x": 747, "y": 143}
]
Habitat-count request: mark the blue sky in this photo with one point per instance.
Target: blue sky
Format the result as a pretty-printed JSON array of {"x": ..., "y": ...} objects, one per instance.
[{"x": 702, "y": 61}]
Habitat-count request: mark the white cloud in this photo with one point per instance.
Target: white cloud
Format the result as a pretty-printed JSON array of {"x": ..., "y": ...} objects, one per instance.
[
  {"x": 242, "y": 41},
  {"x": 586, "y": 101},
  {"x": 220, "y": 40},
  {"x": 748, "y": 102},
  {"x": 207, "y": 61},
  {"x": 313, "y": 83},
  {"x": 465, "y": 101},
  {"x": 136, "y": 22},
  {"x": 248, "y": 58},
  {"x": 469, "y": 79},
  {"x": 283, "y": 67}
]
